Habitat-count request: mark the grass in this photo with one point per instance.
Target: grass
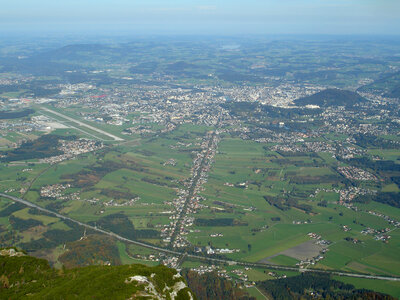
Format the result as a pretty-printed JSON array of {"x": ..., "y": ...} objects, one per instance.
[
  {"x": 391, "y": 188},
  {"x": 368, "y": 257},
  {"x": 60, "y": 225},
  {"x": 238, "y": 161},
  {"x": 284, "y": 260},
  {"x": 125, "y": 258},
  {"x": 266, "y": 173},
  {"x": 258, "y": 275},
  {"x": 24, "y": 214},
  {"x": 254, "y": 292},
  {"x": 83, "y": 129}
]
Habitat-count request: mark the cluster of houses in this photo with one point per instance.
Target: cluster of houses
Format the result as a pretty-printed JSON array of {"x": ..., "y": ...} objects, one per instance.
[
  {"x": 114, "y": 203},
  {"x": 302, "y": 264},
  {"x": 390, "y": 220},
  {"x": 241, "y": 274},
  {"x": 382, "y": 237},
  {"x": 188, "y": 200},
  {"x": 54, "y": 191},
  {"x": 301, "y": 222},
  {"x": 346, "y": 228},
  {"x": 73, "y": 148},
  {"x": 141, "y": 104},
  {"x": 18, "y": 126},
  {"x": 379, "y": 234},
  {"x": 354, "y": 173},
  {"x": 318, "y": 239},
  {"x": 347, "y": 195},
  {"x": 170, "y": 162},
  {"x": 303, "y": 146},
  {"x": 211, "y": 251},
  {"x": 216, "y": 235},
  {"x": 281, "y": 95},
  {"x": 57, "y": 191}
]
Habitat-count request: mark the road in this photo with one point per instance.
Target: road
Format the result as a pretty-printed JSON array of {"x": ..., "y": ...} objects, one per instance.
[
  {"x": 116, "y": 138},
  {"x": 196, "y": 176},
  {"x": 30, "y": 204},
  {"x": 36, "y": 177},
  {"x": 197, "y": 257}
]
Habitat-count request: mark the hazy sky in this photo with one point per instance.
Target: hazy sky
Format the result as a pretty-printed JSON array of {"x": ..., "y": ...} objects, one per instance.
[{"x": 204, "y": 16}]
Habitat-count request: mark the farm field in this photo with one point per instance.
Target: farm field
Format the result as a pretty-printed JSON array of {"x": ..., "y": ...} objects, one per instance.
[
  {"x": 241, "y": 161},
  {"x": 245, "y": 187},
  {"x": 263, "y": 230}
]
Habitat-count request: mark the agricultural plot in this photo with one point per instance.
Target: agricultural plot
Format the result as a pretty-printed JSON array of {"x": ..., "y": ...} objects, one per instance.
[
  {"x": 139, "y": 180},
  {"x": 198, "y": 147},
  {"x": 277, "y": 227},
  {"x": 259, "y": 204},
  {"x": 389, "y": 287}
]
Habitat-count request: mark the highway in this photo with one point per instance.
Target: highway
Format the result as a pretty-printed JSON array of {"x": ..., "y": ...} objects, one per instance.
[{"x": 198, "y": 257}]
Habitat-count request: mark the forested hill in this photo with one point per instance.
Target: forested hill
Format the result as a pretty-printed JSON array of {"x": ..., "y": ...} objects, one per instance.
[
  {"x": 331, "y": 97},
  {"x": 24, "y": 276}
]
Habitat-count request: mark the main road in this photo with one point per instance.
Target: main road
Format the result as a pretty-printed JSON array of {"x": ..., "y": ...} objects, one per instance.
[
  {"x": 191, "y": 190},
  {"x": 197, "y": 257}
]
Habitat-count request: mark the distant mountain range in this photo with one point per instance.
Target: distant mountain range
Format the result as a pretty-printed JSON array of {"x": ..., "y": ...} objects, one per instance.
[{"x": 331, "y": 97}]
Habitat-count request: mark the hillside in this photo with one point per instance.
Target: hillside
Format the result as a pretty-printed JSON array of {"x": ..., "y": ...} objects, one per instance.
[
  {"x": 212, "y": 286},
  {"x": 388, "y": 85},
  {"x": 24, "y": 276},
  {"x": 331, "y": 97}
]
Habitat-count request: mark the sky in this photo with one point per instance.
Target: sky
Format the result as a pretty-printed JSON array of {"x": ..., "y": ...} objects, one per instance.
[{"x": 222, "y": 17}]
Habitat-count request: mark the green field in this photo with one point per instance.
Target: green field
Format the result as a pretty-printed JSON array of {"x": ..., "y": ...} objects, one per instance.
[
  {"x": 389, "y": 287},
  {"x": 243, "y": 161},
  {"x": 243, "y": 179}
]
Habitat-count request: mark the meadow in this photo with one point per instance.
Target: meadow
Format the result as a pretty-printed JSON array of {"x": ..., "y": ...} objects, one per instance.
[
  {"x": 268, "y": 196},
  {"x": 270, "y": 230}
]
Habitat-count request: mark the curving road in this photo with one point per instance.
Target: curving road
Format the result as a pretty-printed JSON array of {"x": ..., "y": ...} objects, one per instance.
[{"x": 197, "y": 257}]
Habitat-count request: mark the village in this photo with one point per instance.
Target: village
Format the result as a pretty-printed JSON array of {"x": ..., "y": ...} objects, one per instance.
[{"x": 188, "y": 201}]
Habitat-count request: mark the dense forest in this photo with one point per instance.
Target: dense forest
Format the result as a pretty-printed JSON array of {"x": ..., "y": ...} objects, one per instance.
[
  {"x": 287, "y": 203},
  {"x": 54, "y": 237},
  {"x": 369, "y": 140},
  {"x": 120, "y": 224},
  {"x": 315, "y": 286},
  {"x": 10, "y": 209},
  {"x": 212, "y": 286},
  {"x": 376, "y": 166},
  {"x": 219, "y": 222},
  {"x": 332, "y": 97},
  {"x": 44, "y": 146},
  {"x": 90, "y": 250},
  {"x": 21, "y": 224},
  {"x": 392, "y": 199},
  {"x": 15, "y": 114},
  {"x": 248, "y": 109}
]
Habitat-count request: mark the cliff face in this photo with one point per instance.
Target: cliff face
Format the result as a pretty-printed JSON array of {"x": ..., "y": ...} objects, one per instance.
[{"x": 23, "y": 276}]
